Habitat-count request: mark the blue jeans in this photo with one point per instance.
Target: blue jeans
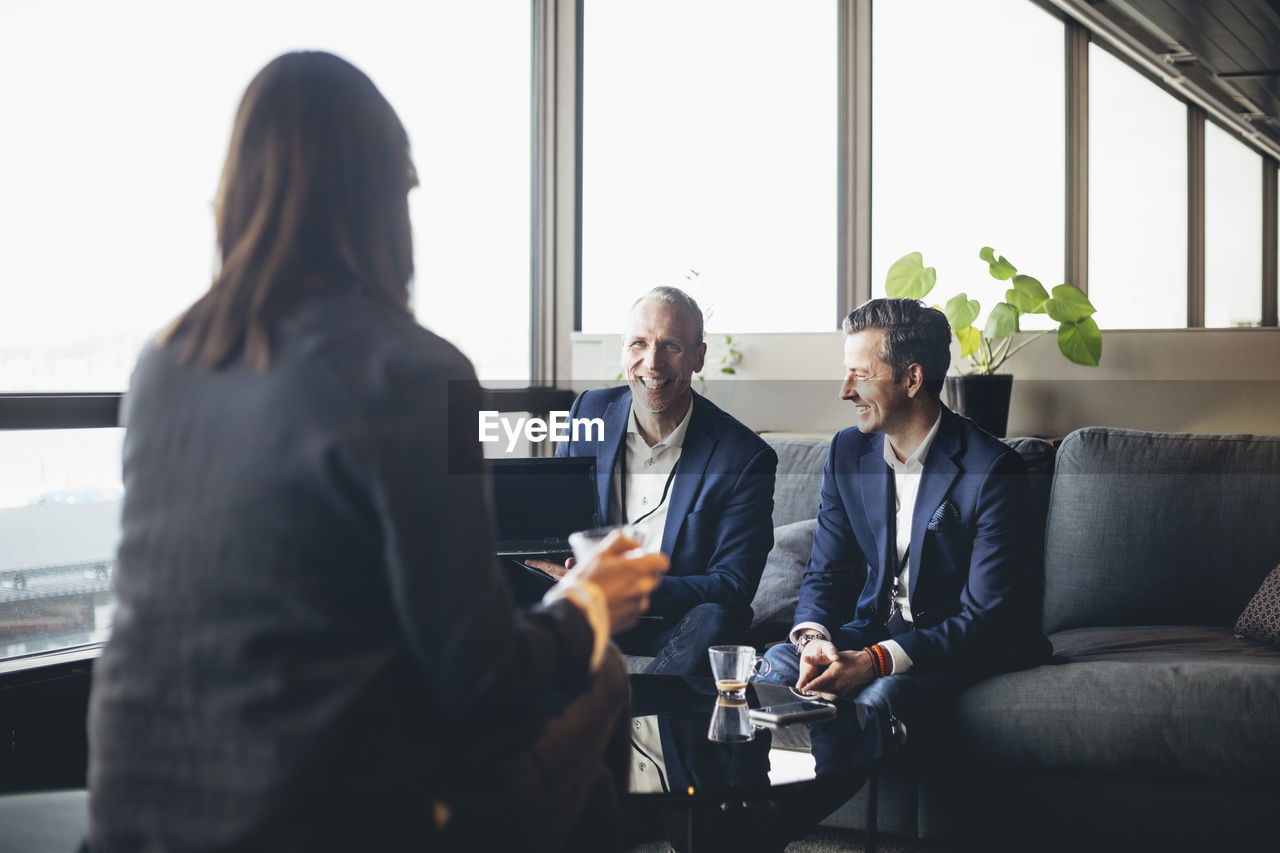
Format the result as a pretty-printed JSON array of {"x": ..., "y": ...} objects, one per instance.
[
  {"x": 681, "y": 648},
  {"x": 899, "y": 718},
  {"x": 899, "y": 709}
]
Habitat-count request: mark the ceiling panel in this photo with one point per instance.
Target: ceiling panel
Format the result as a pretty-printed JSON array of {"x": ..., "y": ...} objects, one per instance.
[{"x": 1235, "y": 44}]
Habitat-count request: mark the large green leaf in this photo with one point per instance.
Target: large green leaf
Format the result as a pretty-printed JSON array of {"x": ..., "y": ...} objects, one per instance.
[
  {"x": 1081, "y": 341},
  {"x": 1027, "y": 295},
  {"x": 961, "y": 311},
  {"x": 909, "y": 278},
  {"x": 1003, "y": 322},
  {"x": 1069, "y": 304},
  {"x": 970, "y": 339},
  {"x": 1000, "y": 269}
]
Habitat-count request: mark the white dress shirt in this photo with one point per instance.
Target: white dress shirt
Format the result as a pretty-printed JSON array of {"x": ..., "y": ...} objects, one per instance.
[
  {"x": 648, "y": 477},
  {"x": 648, "y": 471},
  {"x": 648, "y": 766},
  {"x": 906, "y": 484}
]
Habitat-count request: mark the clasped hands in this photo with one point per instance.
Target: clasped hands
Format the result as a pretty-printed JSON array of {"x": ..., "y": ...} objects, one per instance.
[{"x": 831, "y": 673}]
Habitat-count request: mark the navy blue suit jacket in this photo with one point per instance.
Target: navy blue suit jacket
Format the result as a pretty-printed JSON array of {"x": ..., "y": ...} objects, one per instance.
[
  {"x": 720, "y": 513},
  {"x": 967, "y": 566}
]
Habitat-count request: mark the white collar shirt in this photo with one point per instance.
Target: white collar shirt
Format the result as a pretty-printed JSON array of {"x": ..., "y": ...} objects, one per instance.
[
  {"x": 906, "y": 484},
  {"x": 649, "y": 477},
  {"x": 648, "y": 765}
]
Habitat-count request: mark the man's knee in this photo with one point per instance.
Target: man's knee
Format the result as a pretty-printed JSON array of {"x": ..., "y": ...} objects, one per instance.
[
  {"x": 783, "y": 655},
  {"x": 709, "y": 613},
  {"x": 784, "y": 664},
  {"x": 718, "y": 623},
  {"x": 890, "y": 694}
]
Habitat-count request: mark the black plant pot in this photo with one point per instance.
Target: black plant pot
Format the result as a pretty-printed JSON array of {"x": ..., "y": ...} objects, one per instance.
[{"x": 984, "y": 399}]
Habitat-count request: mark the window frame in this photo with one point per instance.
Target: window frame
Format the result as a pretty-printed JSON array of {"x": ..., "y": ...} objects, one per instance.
[{"x": 1081, "y": 27}]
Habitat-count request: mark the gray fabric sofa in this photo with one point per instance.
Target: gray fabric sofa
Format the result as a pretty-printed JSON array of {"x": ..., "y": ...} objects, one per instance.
[{"x": 1154, "y": 727}]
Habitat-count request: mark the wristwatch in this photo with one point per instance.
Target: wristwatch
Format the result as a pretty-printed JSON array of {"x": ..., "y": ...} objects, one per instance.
[{"x": 804, "y": 639}]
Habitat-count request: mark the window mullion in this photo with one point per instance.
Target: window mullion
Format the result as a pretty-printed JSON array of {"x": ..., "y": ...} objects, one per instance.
[
  {"x": 1076, "y": 255},
  {"x": 1195, "y": 217},
  {"x": 853, "y": 226},
  {"x": 1269, "y": 242},
  {"x": 556, "y": 176}
]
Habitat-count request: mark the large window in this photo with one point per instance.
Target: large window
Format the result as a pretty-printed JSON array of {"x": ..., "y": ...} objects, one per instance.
[
  {"x": 709, "y": 144},
  {"x": 1137, "y": 199},
  {"x": 967, "y": 141},
  {"x": 117, "y": 117},
  {"x": 1232, "y": 231}
]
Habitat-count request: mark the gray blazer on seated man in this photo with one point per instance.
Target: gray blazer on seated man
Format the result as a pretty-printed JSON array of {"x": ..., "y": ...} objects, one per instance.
[
  {"x": 915, "y": 585},
  {"x": 698, "y": 480}
]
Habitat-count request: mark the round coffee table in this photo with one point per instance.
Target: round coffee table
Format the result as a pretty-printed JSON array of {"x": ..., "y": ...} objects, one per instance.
[{"x": 774, "y": 778}]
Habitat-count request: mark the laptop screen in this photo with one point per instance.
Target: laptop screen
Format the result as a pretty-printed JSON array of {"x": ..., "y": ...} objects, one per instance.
[{"x": 538, "y": 502}]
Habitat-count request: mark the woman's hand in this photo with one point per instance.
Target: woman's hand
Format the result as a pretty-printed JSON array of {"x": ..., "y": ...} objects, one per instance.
[{"x": 625, "y": 575}]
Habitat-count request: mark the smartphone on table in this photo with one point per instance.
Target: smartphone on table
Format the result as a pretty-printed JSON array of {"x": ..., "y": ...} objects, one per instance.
[{"x": 791, "y": 712}]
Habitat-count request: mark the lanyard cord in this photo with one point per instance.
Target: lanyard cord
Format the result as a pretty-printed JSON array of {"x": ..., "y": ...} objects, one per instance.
[
  {"x": 896, "y": 590},
  {"x": 623, "y": 482}
]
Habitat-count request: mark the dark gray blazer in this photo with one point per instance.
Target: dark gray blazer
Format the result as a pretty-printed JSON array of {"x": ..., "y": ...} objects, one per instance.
[{"x": 312, "y": 641}]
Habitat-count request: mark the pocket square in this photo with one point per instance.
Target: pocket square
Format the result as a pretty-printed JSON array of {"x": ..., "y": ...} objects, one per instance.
[{"x": 946, "y": 515}]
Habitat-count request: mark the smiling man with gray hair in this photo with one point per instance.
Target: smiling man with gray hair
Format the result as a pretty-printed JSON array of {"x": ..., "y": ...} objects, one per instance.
[{"x": 698, "y": 481}]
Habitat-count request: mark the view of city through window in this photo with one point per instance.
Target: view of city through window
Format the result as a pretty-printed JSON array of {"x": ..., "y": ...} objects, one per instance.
[{"x": 60, "y": 496}]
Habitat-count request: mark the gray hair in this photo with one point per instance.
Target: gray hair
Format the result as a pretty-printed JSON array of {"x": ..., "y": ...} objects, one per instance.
[{"x": 677, "y": 297}]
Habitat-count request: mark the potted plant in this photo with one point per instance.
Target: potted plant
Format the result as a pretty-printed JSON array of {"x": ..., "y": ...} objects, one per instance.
[{"x": 983, "y": 394}]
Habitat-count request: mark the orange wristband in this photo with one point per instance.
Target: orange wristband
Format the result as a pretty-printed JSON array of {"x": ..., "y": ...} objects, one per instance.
[{"x": 877, "y": 660}]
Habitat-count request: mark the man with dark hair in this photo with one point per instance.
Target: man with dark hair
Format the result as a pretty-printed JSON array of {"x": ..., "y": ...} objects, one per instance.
[
  {"x": 698, "y": 481},
  {"x": 921, "y": 545}
]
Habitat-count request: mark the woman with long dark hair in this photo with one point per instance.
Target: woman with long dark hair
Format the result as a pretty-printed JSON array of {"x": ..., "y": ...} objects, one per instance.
[{"x": 313, "y": 648}]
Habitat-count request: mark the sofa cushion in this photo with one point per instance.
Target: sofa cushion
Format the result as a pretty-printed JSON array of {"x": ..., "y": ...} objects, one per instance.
[
  {"x": 1188, "y": 700},
  {"x": 1261, "y": 618},
  {"x": 1037, "y": 453},
  {"x": 775, "y": 601},
  {"x": 799, "y": 482},
  {"x": 1158, "y": 528}
]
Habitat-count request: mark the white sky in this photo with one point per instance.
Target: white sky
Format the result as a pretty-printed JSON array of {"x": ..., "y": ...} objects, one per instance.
[
  {"x": 709, "y": 143},
  {"x": 123, "y": 113}
]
